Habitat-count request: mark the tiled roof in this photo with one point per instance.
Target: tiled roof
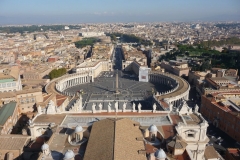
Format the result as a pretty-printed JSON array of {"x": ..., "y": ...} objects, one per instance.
[
  {"x": 167, "y": 131},
  {"x": 114, "y": 139},
  {"x": 13, "y": 142},
  {"x": 6, "y": 111},
  {"x": 101, "y": 141},
  {"x": 126, "y": 146},
  {"x": 210, "y": 153}
]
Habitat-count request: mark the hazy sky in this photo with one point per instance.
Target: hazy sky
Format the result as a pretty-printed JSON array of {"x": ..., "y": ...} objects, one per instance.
[{"x": 85, "y": 11}]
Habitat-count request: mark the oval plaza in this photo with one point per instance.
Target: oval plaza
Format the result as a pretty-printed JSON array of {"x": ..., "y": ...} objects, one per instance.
[
  {"x": 99, "y": 82},
  {"x": 119, "y": 105}
]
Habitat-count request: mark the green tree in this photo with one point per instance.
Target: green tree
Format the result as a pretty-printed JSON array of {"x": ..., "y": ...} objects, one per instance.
[{"x": 55, "y": 73}]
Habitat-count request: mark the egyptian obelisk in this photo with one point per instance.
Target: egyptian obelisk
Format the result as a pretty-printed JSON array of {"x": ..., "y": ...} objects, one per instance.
[{"x": 117, "y": 92}]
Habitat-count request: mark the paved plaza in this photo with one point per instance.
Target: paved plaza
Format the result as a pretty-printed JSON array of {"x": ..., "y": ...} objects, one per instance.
[{"x": 102, "y": 90}]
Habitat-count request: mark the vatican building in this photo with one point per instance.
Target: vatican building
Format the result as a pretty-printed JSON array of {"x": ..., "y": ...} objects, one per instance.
[{"x": 118, "y": 105}]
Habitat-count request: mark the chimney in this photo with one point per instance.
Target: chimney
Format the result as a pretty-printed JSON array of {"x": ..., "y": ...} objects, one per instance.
[
  {"x": 142, "y": 152},
  {"x": 139, "y": 138}
]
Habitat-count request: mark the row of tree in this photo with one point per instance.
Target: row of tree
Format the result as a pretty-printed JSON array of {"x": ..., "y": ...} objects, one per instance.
[
  {"x": 57, "y": 73},
  {"x": 86, "y": 41},
  {"x": 35, "y": 28},
  {"x": 129, "y": 38},
  {"x": 210, "y": 58},
  {"x": 228, "y": 41}
]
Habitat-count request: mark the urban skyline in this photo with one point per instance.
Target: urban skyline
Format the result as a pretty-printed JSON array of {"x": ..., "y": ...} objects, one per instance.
[
  {"x": 52, "y": 12},
  {"x": 145, "y": 80}
]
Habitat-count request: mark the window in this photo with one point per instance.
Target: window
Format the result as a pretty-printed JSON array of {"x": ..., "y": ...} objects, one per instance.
[
  {"x": 143, "y": 77},
  {"x": 191, "y": 135},
  {"x": 9, "y": 84},
  {"x": 22, "y": 108}
]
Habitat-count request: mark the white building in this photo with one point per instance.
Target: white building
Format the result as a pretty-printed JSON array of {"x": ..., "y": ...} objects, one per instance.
[
  {"x": 91, "y": 34},
  {"x": 10, "y": 79}
]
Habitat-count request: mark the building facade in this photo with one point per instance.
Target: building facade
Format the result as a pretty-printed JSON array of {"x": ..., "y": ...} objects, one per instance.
[
  {"x": 222, "y": 109},
  {"x": 10, "y": 80},
  {"x": 8, "y": 117}
]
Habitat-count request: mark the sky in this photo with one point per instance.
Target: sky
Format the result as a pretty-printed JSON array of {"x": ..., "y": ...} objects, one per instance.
[{"x": 101, "y": 11}]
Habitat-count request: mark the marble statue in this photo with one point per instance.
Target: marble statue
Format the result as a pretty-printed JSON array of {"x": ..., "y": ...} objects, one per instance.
[
  {"x": 124, "y": 106},
  {"x": 154, "y": 107},
  {"x": 133, "y": 107},
  {"x": 196, "y": 108},
  {"x": 100, "y": 107},
  {"x": 51, "y": 109},
  {"x": 116, "y": 106},
  {"x": 109, "y": 107},
  {"x": 139, "y": 107},
  {"x": 94, "y": 108},
  {"x": 39, "y": 109}
]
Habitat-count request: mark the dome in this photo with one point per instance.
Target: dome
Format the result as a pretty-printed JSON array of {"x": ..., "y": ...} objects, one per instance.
[
  {"x": 69, "y": 155},
  {"x": 160, "y": 154},
  {"x": 45, "y": 146},
  {"x": 78, "y": 129},
  {"x": 152, "y": 128}
]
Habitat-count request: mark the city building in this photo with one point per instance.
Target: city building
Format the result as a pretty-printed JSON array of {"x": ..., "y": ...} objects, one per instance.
[
  {"x": 10, "y": 79},
  {"x": 11, "y": 146},
  {"x": 27, "y": 99},
  {"x": 136, "y": 61},
  {"x": 36, "y": 73},
  {"x": 179, "y": 68},
  {"x": 232, "y": 154},
  {"x": 9, "y": 115},
  {"x": 110, "y": 138},
  {"x": 214, "y": 80},
  {"x": 91, "y": 34},
  {"x": 222, "y": 110},
  {"x": 161, "y": 136}
]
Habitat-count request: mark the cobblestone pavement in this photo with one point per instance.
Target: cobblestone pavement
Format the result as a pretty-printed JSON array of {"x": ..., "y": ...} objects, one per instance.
[{"x": 103, "y": 89}]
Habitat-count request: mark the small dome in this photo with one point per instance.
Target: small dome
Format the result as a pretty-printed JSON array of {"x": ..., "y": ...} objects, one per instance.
[
  {"x": 45, "y": 146},
  {"x": 69, "y": 155},
  {"x": 160, "y": 154},
  {"x": 152, "y": 128},
  {"x": 78, "y": 129}
]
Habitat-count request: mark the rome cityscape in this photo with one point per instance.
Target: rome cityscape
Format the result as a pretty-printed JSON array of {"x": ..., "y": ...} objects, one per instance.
[{"x": 120, "y": 80}]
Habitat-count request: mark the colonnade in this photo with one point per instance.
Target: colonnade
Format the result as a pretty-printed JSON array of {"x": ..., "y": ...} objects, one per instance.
[
  {"x": 174, "y": 97},
  {"x": 73, "y": 80},
  {"x": 158, "y": 78}
]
